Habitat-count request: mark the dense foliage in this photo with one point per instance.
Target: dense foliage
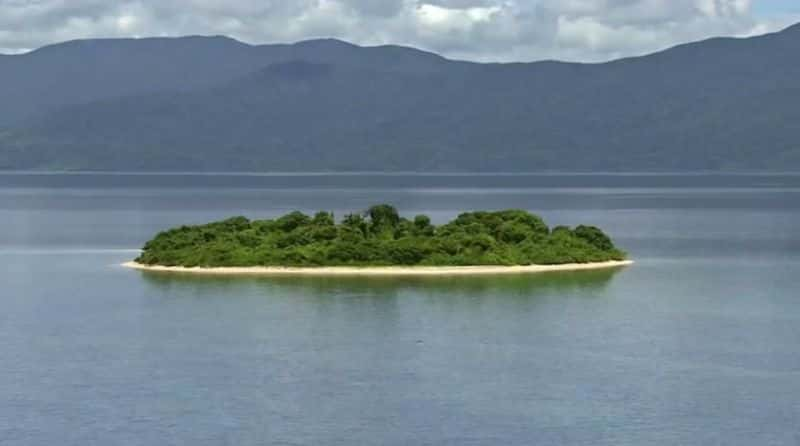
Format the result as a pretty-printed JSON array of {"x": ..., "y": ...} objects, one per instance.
[{"x": 377, "y": 237}]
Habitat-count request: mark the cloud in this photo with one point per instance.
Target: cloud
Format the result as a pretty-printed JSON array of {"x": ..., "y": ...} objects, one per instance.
[{"x": 484, "y": 30}]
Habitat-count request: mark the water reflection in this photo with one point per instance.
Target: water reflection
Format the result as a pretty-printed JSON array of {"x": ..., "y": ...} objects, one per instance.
[{"x": 578, "y": 282}]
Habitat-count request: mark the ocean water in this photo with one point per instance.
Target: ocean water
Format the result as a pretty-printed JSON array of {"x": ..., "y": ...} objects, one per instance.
[{"x": 698, "y": 343}]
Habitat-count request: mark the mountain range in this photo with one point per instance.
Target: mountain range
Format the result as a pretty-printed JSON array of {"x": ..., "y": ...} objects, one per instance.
[{"x": 217, "y": 104}]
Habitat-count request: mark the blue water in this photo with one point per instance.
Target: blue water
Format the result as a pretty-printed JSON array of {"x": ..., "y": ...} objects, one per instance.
[{"x": 697, "y": 344}]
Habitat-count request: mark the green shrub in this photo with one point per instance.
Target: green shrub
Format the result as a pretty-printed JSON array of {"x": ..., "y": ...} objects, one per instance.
[
  {"x": 595, "y": 237},
  {"x": 292, "y": 221},
  {"x": 379, "y": 237}
]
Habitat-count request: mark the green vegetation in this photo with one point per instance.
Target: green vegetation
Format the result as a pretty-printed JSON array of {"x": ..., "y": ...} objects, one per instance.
[{"x": 379, "y": 237}]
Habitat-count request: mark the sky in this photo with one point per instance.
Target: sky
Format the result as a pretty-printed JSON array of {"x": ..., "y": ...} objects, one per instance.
[{"x": 479, "y": 30}]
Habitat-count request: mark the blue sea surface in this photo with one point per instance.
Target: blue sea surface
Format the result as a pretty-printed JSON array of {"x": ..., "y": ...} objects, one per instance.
[{"x": 698, "y": 343}]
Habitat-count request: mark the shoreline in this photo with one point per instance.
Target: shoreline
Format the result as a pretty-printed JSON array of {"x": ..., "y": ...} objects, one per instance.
[{"x": 378, "y": 270}]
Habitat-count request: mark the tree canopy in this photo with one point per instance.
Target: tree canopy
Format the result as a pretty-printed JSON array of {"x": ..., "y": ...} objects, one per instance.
[{"x": 379, "y": 237}]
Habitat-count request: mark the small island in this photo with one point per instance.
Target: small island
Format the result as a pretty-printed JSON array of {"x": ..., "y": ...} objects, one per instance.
[{"x": 381, "y": 242}]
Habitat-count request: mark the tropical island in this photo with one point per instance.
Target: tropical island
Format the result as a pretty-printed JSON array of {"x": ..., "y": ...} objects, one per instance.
[{"x": 380, "y": 241}]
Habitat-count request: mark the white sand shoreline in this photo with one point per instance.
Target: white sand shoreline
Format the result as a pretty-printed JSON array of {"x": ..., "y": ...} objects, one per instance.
[{"x": 381, "y": 270}]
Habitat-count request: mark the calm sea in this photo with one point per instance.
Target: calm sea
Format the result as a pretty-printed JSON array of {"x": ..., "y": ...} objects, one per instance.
[{"x": 697, "y": 344}]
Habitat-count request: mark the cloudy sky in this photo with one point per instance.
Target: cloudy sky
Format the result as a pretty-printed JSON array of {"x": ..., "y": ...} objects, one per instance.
[{"x": 484, "y": 30}]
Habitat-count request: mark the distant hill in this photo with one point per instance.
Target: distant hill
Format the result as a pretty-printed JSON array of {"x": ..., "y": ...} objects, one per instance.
[{"x": 216, "y": 104}]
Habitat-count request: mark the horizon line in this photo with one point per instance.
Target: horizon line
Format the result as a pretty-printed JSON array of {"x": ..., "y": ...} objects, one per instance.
[{"x": 389, "y": 45}]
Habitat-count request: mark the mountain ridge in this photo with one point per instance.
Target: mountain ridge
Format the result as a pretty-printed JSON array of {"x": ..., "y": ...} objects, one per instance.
[
  {"x": 333, "y": 40},
  {"x": 214, "y": 103}
]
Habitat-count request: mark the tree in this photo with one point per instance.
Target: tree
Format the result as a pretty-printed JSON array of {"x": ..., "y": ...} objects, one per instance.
[
  {"x": 379, "y": 237},
  {"x": 423, "y": 226},
  {"x": 323, "y": 219},
  {"x": 290, "y": 222},
  {"x": 535, "y": 223},
  {"x": 513, "y": 232},
  {"x": 355, "y": 222},
  {"x": 595, "y": 237},
  {"x": 383, "y": 215},
  {"x": 235, "y": 224},
  {"x": 407, "y": 252}
]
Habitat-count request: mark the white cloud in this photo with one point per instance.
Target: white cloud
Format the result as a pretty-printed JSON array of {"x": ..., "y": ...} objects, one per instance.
[
  {"x": 454, "y": 18},
  {"x": 583, "y": 30}
]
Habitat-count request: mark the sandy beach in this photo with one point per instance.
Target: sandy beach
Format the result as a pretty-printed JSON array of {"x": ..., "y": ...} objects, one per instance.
[{"x": 382, "y": 271}]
